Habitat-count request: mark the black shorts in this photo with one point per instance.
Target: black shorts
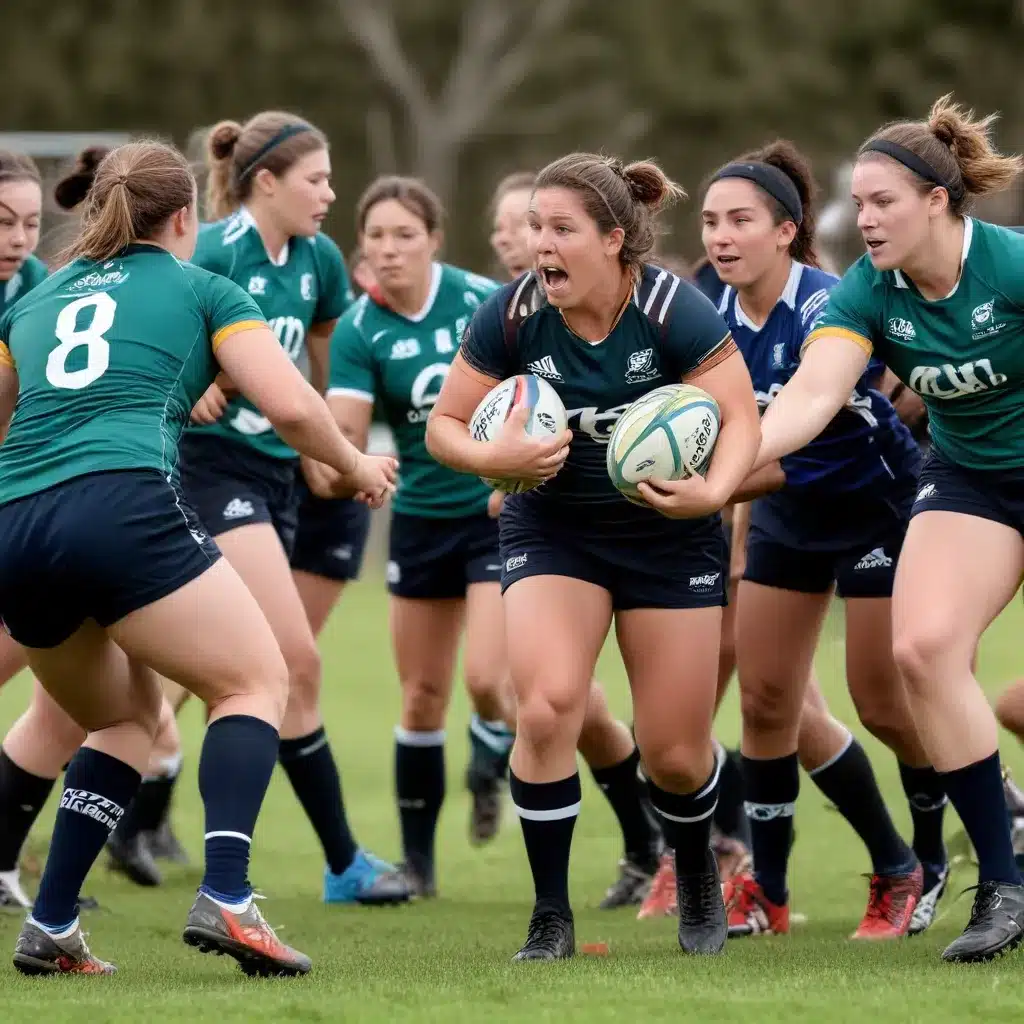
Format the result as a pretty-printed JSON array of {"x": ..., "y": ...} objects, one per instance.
[
  {"x": 995, "y": 494},
  {"x": 807, "y": 545},
  {"x": 96, "y": 547},
  {"x": 431, "y": 559},
  {"x": 230, "y": 485},
  {"x": 684, "y": 565},
  {"x": 331, "y": 535}
]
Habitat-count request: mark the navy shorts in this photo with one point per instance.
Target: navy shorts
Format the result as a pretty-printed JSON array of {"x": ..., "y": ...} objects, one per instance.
[
  {"x": 230, "y": 485},
  {"x": 331, "y": 535},
  {"x": 96, "y": 547},
  {"x": 851, "y": 541},
  {"x": 432, "y": 559},
  {"x": 680, "y": 565},
  {"x": 995, "y": 494}
]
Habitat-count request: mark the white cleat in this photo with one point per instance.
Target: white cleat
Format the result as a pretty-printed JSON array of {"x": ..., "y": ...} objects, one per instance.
[
  {"x": 12, "y": 896},
  {"x": 924, "y": 913}
]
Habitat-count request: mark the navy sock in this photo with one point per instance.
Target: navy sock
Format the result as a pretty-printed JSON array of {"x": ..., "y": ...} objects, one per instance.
[
  {"x": 623, "y": 789},
  {"x": 686, "y": 821},
  {"x": 547, "y": 812},
  {"x": 848, "y": 780},
  {"x": 729, "y": 816},
  {"x": 311, "y": 769},
  {"x": 977, "y": 794},
  {"x": 238, "y": 757},
  {"x": 151, "y": 804},
  {"x": 22, "y": 796},
  {"x": 419, "y": 787},
  {"x": 927, "y": 798},
  {"x": 97, "y": 788},
  {"x": 772, "y": 786}
]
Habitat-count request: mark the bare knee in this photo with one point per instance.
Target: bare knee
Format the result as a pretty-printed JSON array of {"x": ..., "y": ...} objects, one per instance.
[
  {"x": 304, "y": 671},
  {"x": 484, "y": 687},
  {"x": 547, "y": 718},
  {"x": 767, "y": 708},
  {"x": 922, "y": 652},
  {"x": 676, "y": 766},
  {"x": 424, "y": 704}
]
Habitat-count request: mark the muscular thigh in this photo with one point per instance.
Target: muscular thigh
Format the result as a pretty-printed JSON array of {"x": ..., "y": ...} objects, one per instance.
[
  {"x": 425, "y": 640},
  {"x": 485, "y": 654}
]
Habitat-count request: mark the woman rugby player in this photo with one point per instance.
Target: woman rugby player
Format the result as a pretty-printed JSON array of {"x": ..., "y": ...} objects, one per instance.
[
  {"x": 106, "y": 577},
  {"x": 938, "y": 297},
  {"x": 576, "y": 553},
  {"x": 269, "y": 182}
]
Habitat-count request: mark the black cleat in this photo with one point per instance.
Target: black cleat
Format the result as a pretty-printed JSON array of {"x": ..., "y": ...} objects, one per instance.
[
  {"x": 703, "y": 925},
  {"x": 996, "y": 925},
  {"x": 131, "y": 857},
  {"x": 630, "y": 889},
  {"x": 163, "y": 844},
  {"x": 485, "y": 810},
  {"x": 38, "y": 952},
  {"x": 551, "y": 936}
]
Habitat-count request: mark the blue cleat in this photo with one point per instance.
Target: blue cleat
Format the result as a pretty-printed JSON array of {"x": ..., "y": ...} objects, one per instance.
[{"x": 367, "y": 880}]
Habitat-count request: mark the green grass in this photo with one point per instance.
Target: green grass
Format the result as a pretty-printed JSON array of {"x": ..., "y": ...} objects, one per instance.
[{"x": 448, "y": 961}]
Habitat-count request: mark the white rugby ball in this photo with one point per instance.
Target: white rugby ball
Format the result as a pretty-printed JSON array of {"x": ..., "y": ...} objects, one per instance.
[
  {"x": 668, "y": 433},
  {"x": 546, "y": 416}
]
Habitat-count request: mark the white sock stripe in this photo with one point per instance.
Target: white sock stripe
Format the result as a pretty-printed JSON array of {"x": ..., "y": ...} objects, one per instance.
[
  {"x": 835, "y": 757},
  {"x": 409, "y": 738},
  {"x": 312, "y": 748},
  {"x": 499, "y": 744},
  {"x": 686, "y": 821},
  {"x": 709, "y": 786},
  {"x": 555, "y": 814},
  {"x": 229, "y": 835}
]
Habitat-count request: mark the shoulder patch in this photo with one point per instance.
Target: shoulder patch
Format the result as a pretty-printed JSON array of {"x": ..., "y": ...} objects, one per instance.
[
  {"x": 813, "y": 305},
  {"x": 234, "y": 227}
]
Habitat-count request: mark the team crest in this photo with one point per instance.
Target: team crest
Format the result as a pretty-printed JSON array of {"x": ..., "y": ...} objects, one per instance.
[
  {"x": 902, "y": 329},
  {"x": 984, "y": 323},
  {"x": 641, "y": 367},
  {"x": 257, "y": 285},
  {"x": 982, "y": 314},
  {"x": 306, "y": 286}
]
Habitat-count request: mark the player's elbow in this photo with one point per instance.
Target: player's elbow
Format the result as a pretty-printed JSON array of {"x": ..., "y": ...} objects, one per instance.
[
  {"x": 434, "y": 430},
  {"x": 292, "y": 408}
]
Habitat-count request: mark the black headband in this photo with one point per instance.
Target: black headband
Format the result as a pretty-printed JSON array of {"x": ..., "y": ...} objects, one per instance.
[
  {"x": 275, "y": 140},
  {"x": 776, "y": 183},
  {"x": 913, "y": 162}
]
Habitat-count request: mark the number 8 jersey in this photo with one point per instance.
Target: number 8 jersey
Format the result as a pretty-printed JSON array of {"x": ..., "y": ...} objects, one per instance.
[{"x": 111, "y": 357}]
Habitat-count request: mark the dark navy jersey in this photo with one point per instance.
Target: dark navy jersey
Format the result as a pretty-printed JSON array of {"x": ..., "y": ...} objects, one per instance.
[
  {"x": 706, "y": 278},
  {"x": 866, "y": 443},
  {"x": 665, "y": 332}
]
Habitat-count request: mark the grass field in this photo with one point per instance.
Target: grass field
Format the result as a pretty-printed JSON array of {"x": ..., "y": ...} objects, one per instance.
[{"x": 448, "y": 960}]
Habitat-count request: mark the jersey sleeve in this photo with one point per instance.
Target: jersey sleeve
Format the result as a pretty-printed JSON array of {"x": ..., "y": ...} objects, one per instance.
[
  {"x": 849, "y": 312},
  {"x": 228, "y": 309},
  {"x": 211, "y": 253},
  {"x": 483, "y": 344},
  {"x": 353, "y": 373},
  {"x": 335, "y": 293},
  {"x": 696, "y": 337},
  {"x": 6, "y": 359}
]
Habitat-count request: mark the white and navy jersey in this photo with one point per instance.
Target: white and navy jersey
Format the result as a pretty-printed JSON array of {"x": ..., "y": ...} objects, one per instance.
[
  {"x": 866, "y": 442},
  {"x": 666, "y": 331}
]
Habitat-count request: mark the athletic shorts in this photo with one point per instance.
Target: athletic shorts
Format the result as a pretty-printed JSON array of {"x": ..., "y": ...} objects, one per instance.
[
  {"x": 683, "y": 565},
  {"x": 330, "y": 536},
  {"x": 995, "y": 494},
  {"x": 809, "y": 545},
  {"x": 96, "y": 547},
  {"x": 431, "y": 559},
  {"x": 230, "y": 485}
]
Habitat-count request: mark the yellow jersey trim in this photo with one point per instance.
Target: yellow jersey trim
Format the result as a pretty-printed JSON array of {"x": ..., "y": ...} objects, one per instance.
[
  {"x": 838, "y": 332},
  {"x": 242, "y": 325},
  {"x": 6, "y": 359}
]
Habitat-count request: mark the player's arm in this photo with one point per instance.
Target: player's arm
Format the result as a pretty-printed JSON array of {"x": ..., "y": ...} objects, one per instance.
[
  {"x": 762, "y": 481},
  {"x": 318, "y": 345}
]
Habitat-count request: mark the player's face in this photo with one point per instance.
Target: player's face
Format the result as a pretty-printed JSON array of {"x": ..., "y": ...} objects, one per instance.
[
  {"x": 21, "y": 209},
  {"x": 740, "y": 237},
  {"x": 362, "y": 274},
  {"x": 510, "y": 237},
  {"x": 303, "y": 194},
  {"x": 568, "y": 250},
  {"x": 397, "y": 246},
  {"x": 893, "y": 217}
]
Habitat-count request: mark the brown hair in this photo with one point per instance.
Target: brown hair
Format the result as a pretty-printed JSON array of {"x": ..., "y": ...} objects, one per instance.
[
  {"x": 517, "y": 181},
  {"x": 616, "y": 196},
  {"x": 235, "y": 153},
  {"x": 17, "y": 167},
  {"x": 958, "y": 147},
  {"x": 136, "y": 188},
  {"x": 412, "y": 193},
  {"x": 75, "y": 185}
]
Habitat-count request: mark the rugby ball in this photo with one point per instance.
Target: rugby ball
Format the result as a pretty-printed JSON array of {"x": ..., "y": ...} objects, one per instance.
[
  {"x": 668, "y": 433},
  {"x": 546, "y": 415}
]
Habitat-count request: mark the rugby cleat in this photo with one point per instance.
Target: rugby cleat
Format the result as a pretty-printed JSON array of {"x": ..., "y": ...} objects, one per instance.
[
  {"x": 891, "y": 903},
  {"x": 419, "y": 878},
  {"x": 485, "y": 808},
  {"x": 12, "y": 896},
  {"x": 163, "y": 844},
  {"x": 367, "y": 880},
  {"x": 131, "y": 856},
  {"x": 703, "y": 927},
  {"x": 245, "y": 936},
  {"x": 996, "y": 925},
  {"x": 39, "y": 952},
  {"x": 750, "y": 912},
  {"x": 636, "y": 876},
  {"x": 660, "y": 900},
  {"x": 732, "y": 855},
  {"x": 551, "y": 936},
  {"x": 935, "y": 882}
]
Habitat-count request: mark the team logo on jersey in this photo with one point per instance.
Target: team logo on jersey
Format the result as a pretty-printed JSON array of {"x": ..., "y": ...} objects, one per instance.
[
  {"x": 544, "y": 367},
  {"x": 901, "y": 329},
  {"x": 306, "y": 286},
  {"x": 641, "y": 367},
  {"x": 874, "y": 559},
  {"x": 949, "y": 381},
  {"x": 983, "y": 322},
  {"x": 777, "y": 354},
  {"x": 105, "y": 278},
  {"x": 704, "y": 584},
  {"x": 405, "y": 348},
  {"x": 257, "y": 285}
]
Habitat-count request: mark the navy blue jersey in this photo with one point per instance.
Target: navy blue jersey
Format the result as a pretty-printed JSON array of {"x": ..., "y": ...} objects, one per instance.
[
  {"x": 666, "y": 331},
  {"x": 866, "y": 442},
  {"x": 706, "y": 278}
]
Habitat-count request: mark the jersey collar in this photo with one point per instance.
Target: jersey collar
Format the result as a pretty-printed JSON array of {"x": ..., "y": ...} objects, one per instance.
[
  {"x": 788, "y": 298},
  {"x": 250, "y": 222},
  {"x": 901, "y": 281},
  {"x": 435, "y": 286}
]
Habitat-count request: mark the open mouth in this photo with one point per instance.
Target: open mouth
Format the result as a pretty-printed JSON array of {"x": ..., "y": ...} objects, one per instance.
[
  {"x": 726, "y": 260},
  {"x": 553, "y": 277},
  {"x": 874, "y": 244}
]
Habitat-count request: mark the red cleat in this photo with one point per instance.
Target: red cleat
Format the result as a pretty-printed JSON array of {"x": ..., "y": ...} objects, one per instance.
[
  {"x": 661, "y": 899},
  {"x": 891, "y": 904},
  {"x": 750, "y": 912}
]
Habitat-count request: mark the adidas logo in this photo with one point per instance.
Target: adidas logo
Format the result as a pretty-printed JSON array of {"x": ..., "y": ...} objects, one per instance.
[
  {"x": 544, "y": 367},
  {"x": 238, "y": 509},
  {"x": 876, "y": 559}
]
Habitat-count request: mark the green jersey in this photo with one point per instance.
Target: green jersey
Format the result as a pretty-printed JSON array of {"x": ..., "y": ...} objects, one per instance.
[
  {"x": 306, "y": 285},
  {"x": 963, "y": 354},
  {"x": 111, "y": 358},
  {"x": 28, "y": 275},
  {"x": 401, "y": 362}
]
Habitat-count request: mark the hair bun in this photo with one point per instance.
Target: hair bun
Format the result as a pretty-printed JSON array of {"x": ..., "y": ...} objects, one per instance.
[
  {"x": 647, "y": 183},
  {"x": 74, "y": 187},
  {"x": 90, "y": 158},
  {"x": 223, "y": 138}
]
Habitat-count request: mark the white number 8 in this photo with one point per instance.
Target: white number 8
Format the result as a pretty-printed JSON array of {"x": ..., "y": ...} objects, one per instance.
[{"x": 72, "y": 337}]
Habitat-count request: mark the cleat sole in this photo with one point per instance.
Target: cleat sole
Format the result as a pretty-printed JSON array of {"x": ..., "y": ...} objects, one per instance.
[
  {"x": 31, "y": 966},
  {"x": 985, "y": 957},
  {"x": 251, "y": 962}
]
